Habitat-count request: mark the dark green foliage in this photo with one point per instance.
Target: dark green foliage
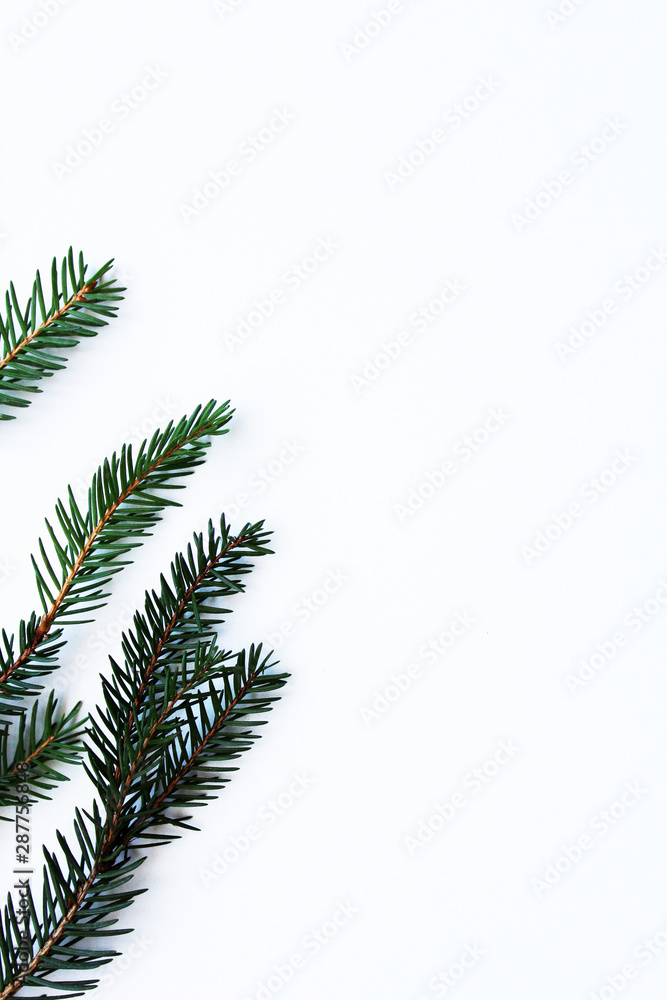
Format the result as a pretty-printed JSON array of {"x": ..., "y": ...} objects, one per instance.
[
  {"x": 178, "y": 710},
  {"x": 85, "y": 549},
  {"x": 176, "y": 715},
  {"x": 33, "y": 338},
  {"x": 41, "y": 742}
]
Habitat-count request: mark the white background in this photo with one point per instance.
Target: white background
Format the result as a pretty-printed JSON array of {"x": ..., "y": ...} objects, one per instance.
[{"x": 377, "y": 769}]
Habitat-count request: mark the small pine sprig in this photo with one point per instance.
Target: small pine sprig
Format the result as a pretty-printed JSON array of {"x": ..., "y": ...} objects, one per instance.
[
  {"x": 181, "y": 616},
  {"x": 56, "y": 737},
  {"x": 30, "y": 336},
  {"x": 84, "y": 889},
  {"x": 177, "y": 714},
  {"x": 125, "y": 501},
  {"x": 190, "y": 768},
  {"x": 184, "y": 612}
]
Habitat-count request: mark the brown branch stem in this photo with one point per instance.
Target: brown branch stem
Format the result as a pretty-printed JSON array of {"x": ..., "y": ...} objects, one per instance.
[
  {"x": 79, "y": 297},
  {"x": 108, "y": 844},
  {"x": 48, "y": 618}
]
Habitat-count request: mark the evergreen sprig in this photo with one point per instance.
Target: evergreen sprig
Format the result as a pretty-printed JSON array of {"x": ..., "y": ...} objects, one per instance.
[
  {"x": 177, "y": 713},
  {"x": 41, "y": 742},
  {"x": 31, "y": 335},
  {"x": 87, "y": 548}
]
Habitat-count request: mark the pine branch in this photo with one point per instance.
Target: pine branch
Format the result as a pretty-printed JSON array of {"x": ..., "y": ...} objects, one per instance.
[
  {"x": 57, "y": 737},
  {"x": 81, "y": 894},
  {"x": 188, "y": 769},
  {"x": 29, "y": 336},
  {"x": 184, "y": 614},
  {"x": 177, "y": 713},
  {"x": 193, "y": 723},
  {"x": 125, "y": 501}
]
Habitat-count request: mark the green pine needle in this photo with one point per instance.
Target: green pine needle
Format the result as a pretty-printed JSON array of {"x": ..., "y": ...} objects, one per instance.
[
  {"x": 177, "y": 714},
  {"x": 55, "y": 738},
  {"x": 87, "y": 548},
  {"x": 30, "y": 336}
]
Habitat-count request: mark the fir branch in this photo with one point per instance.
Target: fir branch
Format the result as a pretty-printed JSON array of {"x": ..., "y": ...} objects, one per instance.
[
  {"x": 184, "y": 614},
  {"x": 29, "y": 335},
  {"x": 165, "y": 739},
  {"x": 56, "y": 737},
  {"x": 188, "y": 769},
  {"x": 80, "y": 892},
  {"x": 125, "y": 501}
]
